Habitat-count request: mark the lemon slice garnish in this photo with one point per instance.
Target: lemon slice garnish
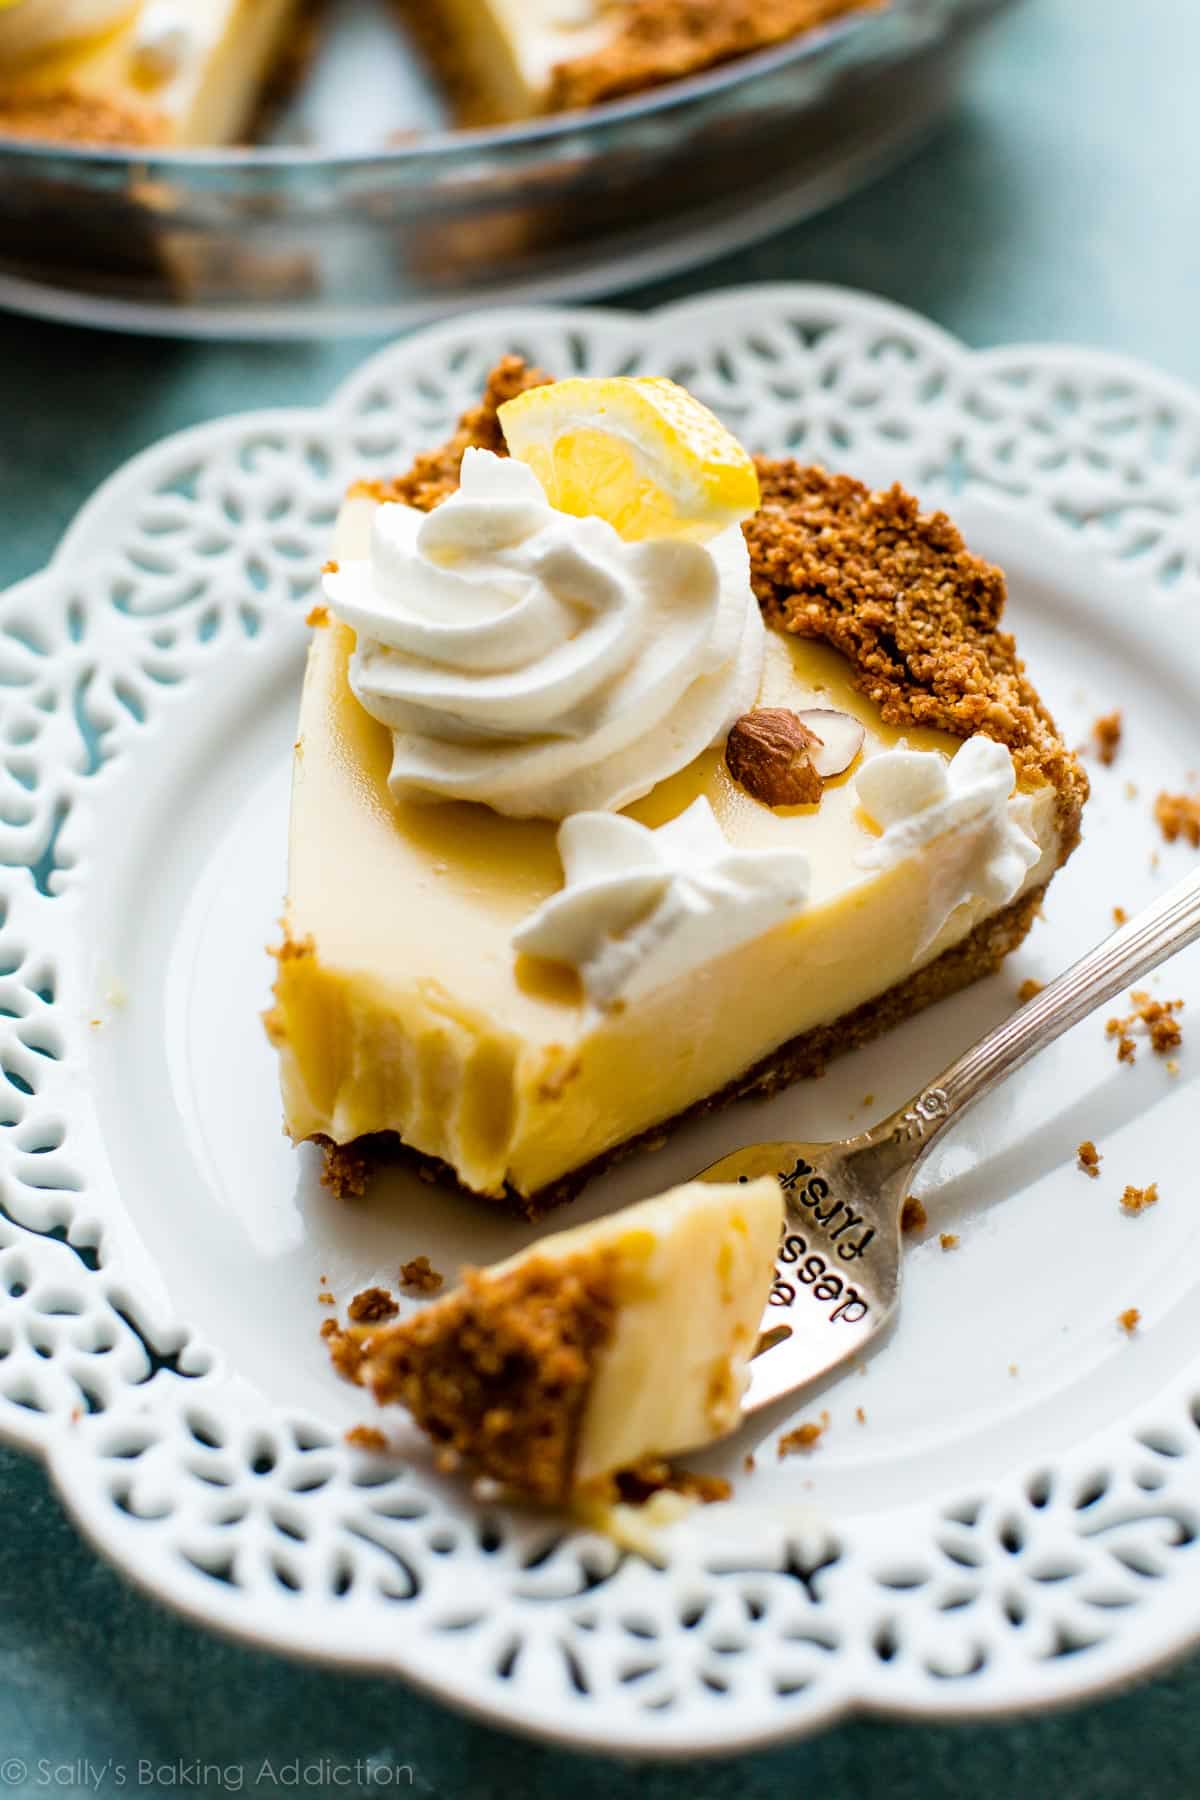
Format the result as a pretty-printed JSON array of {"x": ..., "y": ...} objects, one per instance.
[{"x": 642, "y": 453}]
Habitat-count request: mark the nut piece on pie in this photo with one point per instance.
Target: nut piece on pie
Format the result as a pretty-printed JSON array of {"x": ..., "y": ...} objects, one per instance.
[
  {"x": 595, "y": 1348},
  {"x": 532, "y": 918},
  {"x": 149, "y": 72}
]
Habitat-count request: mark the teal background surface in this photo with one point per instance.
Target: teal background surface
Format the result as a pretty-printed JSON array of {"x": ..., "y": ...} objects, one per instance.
[{"x": 1062, "y": 201}]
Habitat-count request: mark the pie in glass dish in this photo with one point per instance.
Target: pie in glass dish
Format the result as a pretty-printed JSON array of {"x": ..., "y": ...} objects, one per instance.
[{"x": 199, "y": 73}]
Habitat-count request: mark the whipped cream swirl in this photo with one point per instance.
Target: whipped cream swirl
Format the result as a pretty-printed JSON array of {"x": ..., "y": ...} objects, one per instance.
[
  {"x": 28, "y": 27},
  {"x": 640, "y": 907},
  {"x": 920, "y": 797},
  {"x": 536, "y": 662}
]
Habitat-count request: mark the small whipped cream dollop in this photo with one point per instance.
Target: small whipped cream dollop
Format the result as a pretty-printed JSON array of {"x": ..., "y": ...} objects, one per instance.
[
  {"x": 536, "y": 662},
  {"x": 164, "y": 43},
  {"x": 920, "y": 796},
  {"x": 28, "y": 27},
  {"x": 642, "y": 907}
]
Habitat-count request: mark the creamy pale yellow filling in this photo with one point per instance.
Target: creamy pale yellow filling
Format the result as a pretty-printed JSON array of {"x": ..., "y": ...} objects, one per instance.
[
  {"x": 403, "y": 1006},
  {"x": 690, "y": 1273},
  {"x": 209, "y": 99},
  {"x": 504, "y": 51}
]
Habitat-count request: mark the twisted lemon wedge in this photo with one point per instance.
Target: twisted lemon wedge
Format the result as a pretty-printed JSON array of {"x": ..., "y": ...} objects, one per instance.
[{"x": 642, "y": 453}]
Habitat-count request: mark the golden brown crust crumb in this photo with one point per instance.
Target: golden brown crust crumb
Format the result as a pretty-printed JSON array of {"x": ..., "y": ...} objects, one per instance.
[
  {"x": 803, "y": 1438},
  {"x": 373, "y": 1304},
  {"x": 1178, "y": 816},
  {"x": 317, "y": 616},
  {"x": 1089, "y": 1159},
  {"x": 663, "y": 40},
  {"x": 366, "y": 1437},
  {"x": 420, "y": 1277},
  {"x": 1107, "y": 733},
  {"x": 1135, "y": 1200},
  {"x": 860, "y": 1415},
  {"x": 345, "y": 1350},
  {"x": 1129, "y": 1320},
  {"x": 68, "y": 117},
  {"x": 1157, "y": 1020},
  {"x": 1029, "y": 990},
  {"x": 346, "y": 1168},
  {"x": 325, "y": 1298},
  {"x": 1120, "y": 916},
  {"x": 916, "y": 614},
  {"x": 913, "y": 1216},
  {"x": 949, "y": 1240},
  {"x": 499, "y": 1371}
]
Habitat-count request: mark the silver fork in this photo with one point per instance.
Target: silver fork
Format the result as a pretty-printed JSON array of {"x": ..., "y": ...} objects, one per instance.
[{"x": 837, "y": 1278}]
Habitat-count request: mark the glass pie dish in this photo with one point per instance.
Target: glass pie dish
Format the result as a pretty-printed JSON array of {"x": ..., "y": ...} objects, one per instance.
[{"x": 307, "y": 234}]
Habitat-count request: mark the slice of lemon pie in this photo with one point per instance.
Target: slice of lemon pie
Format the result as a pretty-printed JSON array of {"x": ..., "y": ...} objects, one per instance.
[
  {"x": 633, "y": 777},
  {"x": 149, "y": 72}
]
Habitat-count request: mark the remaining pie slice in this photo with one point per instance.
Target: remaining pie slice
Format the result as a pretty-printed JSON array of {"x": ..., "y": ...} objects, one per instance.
[
  {"x": 495, "y": 955},
  {"x": 597, "y": 1347},
  {"x": 154, "y": 72},
  {"x": 513, "y": 59}
]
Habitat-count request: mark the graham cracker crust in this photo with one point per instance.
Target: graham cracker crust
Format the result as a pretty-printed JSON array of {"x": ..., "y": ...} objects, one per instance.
[
  {"x": 67, "y": 117},
  {"x": 348, "y": 1167},
  {"x": 659, "y": 41},
  {"x": 499, "y": 1372}
]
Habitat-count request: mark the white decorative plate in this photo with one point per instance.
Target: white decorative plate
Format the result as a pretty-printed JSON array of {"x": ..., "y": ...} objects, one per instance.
[{"x": 1015, "y": 1523}]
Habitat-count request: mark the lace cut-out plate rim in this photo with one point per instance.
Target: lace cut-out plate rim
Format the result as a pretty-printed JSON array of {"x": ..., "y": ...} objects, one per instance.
[{"x": 1034, "y": 1589}]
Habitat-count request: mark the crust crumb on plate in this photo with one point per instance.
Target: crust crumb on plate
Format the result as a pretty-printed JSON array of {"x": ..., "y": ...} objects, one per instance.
[
  {"x": 803, "y": 1437},
  {"x": 373, "y": 1304},
  {"x": 1178, "y": 816},
  {"x": 1107, "y": 733},
  {"x": 1155, "y": 1018},
  {"x": 1135, "y": 1200},
  {"x": 1089, "y": 1159},
  {"x": 366, "y": 1437},
  {"x": 1029, "y": 990},
  {"x": 949, "y": 1240},
  {"x": 913, "y": 1216},
  {"x": 420, "y": 1277},
  {"x": 1129, "y": 1320}
]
